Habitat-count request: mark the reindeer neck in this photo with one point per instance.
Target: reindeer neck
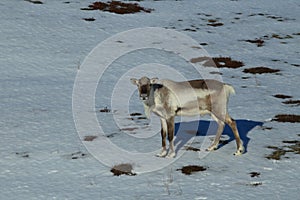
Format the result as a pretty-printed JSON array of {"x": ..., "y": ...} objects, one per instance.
[{"x": 150, "y": 101}]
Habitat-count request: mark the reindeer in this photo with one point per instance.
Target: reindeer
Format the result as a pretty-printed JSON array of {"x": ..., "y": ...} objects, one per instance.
[{"x": 167, "y": 99}]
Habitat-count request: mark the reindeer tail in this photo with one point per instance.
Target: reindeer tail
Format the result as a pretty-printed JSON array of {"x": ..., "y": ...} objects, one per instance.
[{"x": 229, "y": 89}]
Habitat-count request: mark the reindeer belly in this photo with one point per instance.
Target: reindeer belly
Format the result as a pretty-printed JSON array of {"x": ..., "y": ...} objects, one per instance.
[{"x": 191, "y": 108}]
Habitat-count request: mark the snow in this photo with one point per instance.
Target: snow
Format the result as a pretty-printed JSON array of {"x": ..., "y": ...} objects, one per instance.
[{"x": 44, "y": 50}]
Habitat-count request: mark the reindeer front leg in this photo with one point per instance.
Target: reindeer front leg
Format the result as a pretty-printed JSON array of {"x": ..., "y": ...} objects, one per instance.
[
  {"x": 163, "y": 132},
  {"x": 171, "y": 127}
]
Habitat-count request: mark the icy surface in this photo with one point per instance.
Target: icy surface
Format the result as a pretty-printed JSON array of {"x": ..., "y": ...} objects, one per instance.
[{"x": 41, "y": 49}]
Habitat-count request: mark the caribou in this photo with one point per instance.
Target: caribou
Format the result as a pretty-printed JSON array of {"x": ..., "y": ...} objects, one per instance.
[{"x": 167, "y": 99}]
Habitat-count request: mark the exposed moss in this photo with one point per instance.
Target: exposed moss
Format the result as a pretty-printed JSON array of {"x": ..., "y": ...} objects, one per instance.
[
  {"x": 188, "y": 170},
  {"x": 282, "y": 96},
  {"x": 219, "y": 62},
  {"x": 260, "y": 70},
  {"x": 122, "y": 169},
  {"x": 287, "y": 118},
  {"x": 117, "y": 7}
]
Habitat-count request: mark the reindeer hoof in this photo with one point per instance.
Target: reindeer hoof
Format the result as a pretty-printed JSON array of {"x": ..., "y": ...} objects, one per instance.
[
  {"x": 163, "y": 153},
  {"x": 171, "y": 155},
  {"x": 239, "y": 152},
  {"x": 212, "y": 148}
]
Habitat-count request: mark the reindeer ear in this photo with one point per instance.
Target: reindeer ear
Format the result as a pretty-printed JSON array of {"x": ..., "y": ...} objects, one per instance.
[
  {"x": 154, "y": 81},
  {"x": 134, "y": 81}
]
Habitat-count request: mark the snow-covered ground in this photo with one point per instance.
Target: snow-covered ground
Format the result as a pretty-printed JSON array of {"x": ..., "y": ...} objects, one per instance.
[{"x": 44, "y": 46}]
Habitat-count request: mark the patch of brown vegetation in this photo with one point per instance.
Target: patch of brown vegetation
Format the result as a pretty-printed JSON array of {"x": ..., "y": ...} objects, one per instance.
[
  {"x": 218, "y": 62},
  {"x": 135, "y": 114},
  {"x": 276, "y": 155},
  {"x": 122, "y": 169},
  {"x": 34, "y": 1},
  {"x": 292, "y": 102},
  {"x": 227, "y": 62},
  {"x": 218, "y": 73},
  {"x": 105, "y": 110},
  {"x": 290, "y": 141},
  {"x": 137, "y": 118},
  {"x": 287, "y": 118},
  {"x": 261, "y": 41},
  {"x": 189, "y": 29},
  {"x": 254, "y": 184},
  {"x": 90, "y": 138},
  {"x": 254, "y": 174},
  {"x": 212, "y": 20},
  {"x": 294, "y": 147},
  {"x": 260, "y": 70},
  {"x": 215, "y": 24},
  {"x": 281, "y": 37},
  {"x": 258, "y": 42},
  {"x": 196, "y": 47},
  {"x": 266, "y": 128},
  {"x": 246, "y": 77},
  {"x": 189, "y": 148},
  {"x": 129, "y": 129},
  {"x": 117, "y": 7},
  {"x": 89, "y": 19},
  {"x": 188, "y": 170},
  {"x": 282, "y": 96},
  {"x": 203, "y": 44},
  {"x": 269, "y": 16}
]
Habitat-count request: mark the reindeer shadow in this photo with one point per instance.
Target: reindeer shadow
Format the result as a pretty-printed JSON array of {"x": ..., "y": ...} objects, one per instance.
[{"x": 184, "y": 131}]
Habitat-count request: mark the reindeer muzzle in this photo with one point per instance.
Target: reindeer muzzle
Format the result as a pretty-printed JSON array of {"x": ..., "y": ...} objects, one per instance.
[{"x": 144, "y": 97}]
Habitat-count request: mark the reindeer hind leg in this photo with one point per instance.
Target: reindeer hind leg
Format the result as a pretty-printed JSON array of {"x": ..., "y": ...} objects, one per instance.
[
  {"x": 216, "y": 141},
  {"x": 240, "y": 148}
]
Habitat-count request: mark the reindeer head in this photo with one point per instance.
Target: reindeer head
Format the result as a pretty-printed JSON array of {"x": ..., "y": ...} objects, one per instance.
[{"x": 144, "y": 86}]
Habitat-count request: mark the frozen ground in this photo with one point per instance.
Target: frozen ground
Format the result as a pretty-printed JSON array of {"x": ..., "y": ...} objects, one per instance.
[{"x": 41, "y": 49}]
